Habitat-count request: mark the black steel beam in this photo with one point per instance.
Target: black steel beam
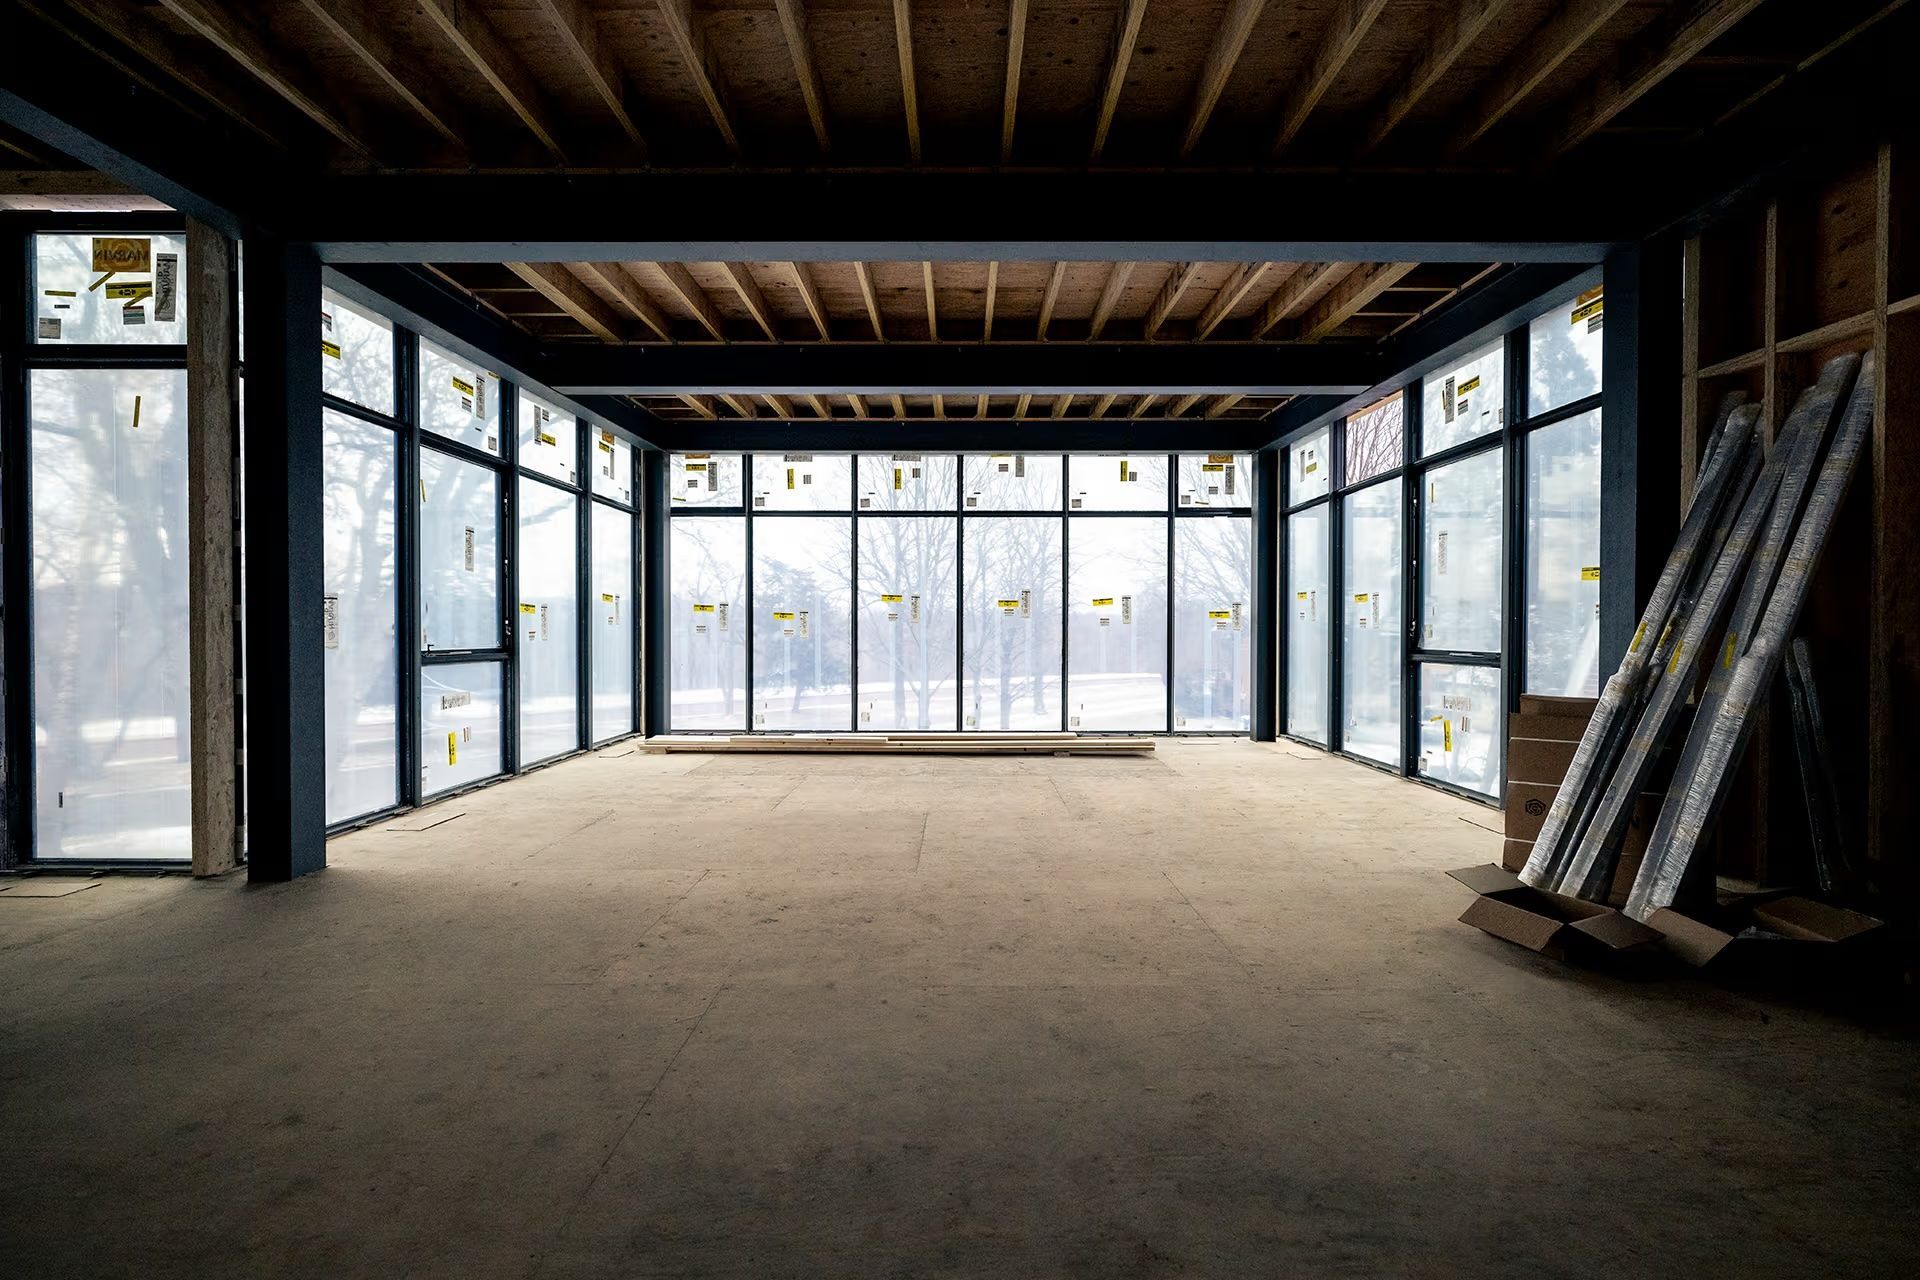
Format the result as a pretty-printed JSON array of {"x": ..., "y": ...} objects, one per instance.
[
  {"x": 962, "y": 369},
  {"x": 963, "y": 435},
  {"x": 286, "y": 712}
]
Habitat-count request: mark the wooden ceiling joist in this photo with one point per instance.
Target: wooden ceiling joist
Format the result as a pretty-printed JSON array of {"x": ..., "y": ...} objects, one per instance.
[
  {"x": 1169, "y": 297},
  {"x": 618, "y": 281},
  {"x": 779, "y": 404},
  {"x": 563, "y": 289},
  {"x": 1109, "y": 298},
  {"x": 899, "y": 405},
  {"x": 1183, "y": 404},
  {"x": 871, "y": 298},
  {"x": 694, "y": 298},
  {"x": 933, "y": 311},
  {"x": 1552, "y": 43},
  {"x": 859, "y": 406},
  {"x": 1025, "y": 403},
  {"x": 1126, "y": 33},
  {"x": 741, "y": 406},
  {"x": 1230, "y": 295},
  {"x": 748, "y": 289},
  {"x": 696, "y": 54},
  {"x": 701, "y": 405},
  {"x": 819, "y": 405},
  {"x": 810, "y": 298},
  {"x": 574, "y": 22},
  {"x": 1061, "y": 404},
  {"x": 909, "y": 89},
  {"x": 793, "y": 24},
  {"x": 993, "y": 290},
  {"x": 349, "y": 22},
  {"x": 1010, "y": 99},
  {"x": 1235, "y": 26},
  {"x": 1050, "y": 299},
  {"x": 1346, "y": 298},
  {"x": 1221, "y": 404},
  {"x": 1103, "y": 404},
  {"x": 1463, "y": 29},
  {"x": 1141, "y": 406},
  {"x": 474, "y": 38},
  {"x": 1307, "y": 282},
  {"x": 1347, "y": 32}
]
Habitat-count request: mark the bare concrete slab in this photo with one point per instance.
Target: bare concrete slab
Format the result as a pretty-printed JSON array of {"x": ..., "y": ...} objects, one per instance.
[{"x": 1207, "y": 1013}]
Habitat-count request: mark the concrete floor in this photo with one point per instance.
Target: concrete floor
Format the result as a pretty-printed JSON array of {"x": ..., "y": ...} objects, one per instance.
[{"x": 1206, "y": 1014}]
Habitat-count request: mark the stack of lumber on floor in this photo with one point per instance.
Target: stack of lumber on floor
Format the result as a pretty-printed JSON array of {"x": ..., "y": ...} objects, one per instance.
[{"x": 938, "y": 744}]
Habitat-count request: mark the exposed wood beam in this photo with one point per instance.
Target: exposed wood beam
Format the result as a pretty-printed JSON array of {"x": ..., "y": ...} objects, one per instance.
[
  {"x": 1629, "y": 77},
  {"x": 1230, "y": 295},
  {"x": 819, "y": 406},
  {"x": 751, "y": 298},
  {"x": 909, "y": 90},
  {"x": 1103, "y": 404},
  {"x": 793, "y": 22},
  {"x": 741, "y": 406},
  {"x": 810, "y": 296},
  {"x": 560, "y": 287},
  {"x": 1552, "y": 43},
  {"x": 688, "y": 290},
  {"x": 1169, "y": 297},
  {"x": 1126, "y": 32},
  {"x": 1298, "y": 289},
  {"x": 349, "y": 22},
  {"x": 899, "y": 406},
  {"x": 239, "y": 35},
  {"x": 1346, "y": 32},
  {"x": 1026, "y": 402},
  {"x": 980, "y": 408},
  {"x": 1235, "y": 26},
  {"x": 1350, "y": 295},
  {"x": 780, "y": 405},
  {"x": 1061, "y": 404},
  {"x": 578, "y": 33},
  {"x": 993, "y": 288},
  {"x": 1181, "y": 405},
  {"x": 1010, "y": 99},
  {"x": 702, "y": 405},
  {"x": 1050, "y": 298},
  {"x": 70, "y": 191},
  {"x": 939, "y": 406},
  {"x": 859, "y": 404},
  {"x": 1109, "y": 298},
  {"x": 1143, "y": 404},
  {"x": 690, "y": 38},
  {"x": 868, "y": 295},
  {"x": 469, "y": 32},
  {"x": 1447, "y": 295},
  {"x": 620, "y": 282},
  {"x": 1223, "y": 403},
  {"x": 1462, "y": 29},
  {"x": 933, "y": 315}
]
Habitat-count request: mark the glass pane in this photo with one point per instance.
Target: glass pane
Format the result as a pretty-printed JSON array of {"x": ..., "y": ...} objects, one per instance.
[
  {"x": 1460, "y": 555},
  {"x": 109, "y": 541},
  {"x": 802, "y": 482},
  {"x": 1563, "y": 558},
  {"x": 1013, "y": 481},
  {"x": 1376, "y": 439},
  {"x": 802, "y": 624},
  {"x": 548, "y": 621},
  {"x": 1011, "y": 567},
  {"x": 907, "y": 481},
  {"x": 612, "y": 467},
  {"x": 1460, "y": 726},
  {"x": 610, "y": 619},
  {"x": 1307, "y": 612},
  {"x": 907, "y": 674},
  {"x": 1370, "y": 640},
  {"x": 1213, "y": 624},
  {"x": 1563, "y": 353},
  {"x": 704, "y": 479},
  {"x": 1117, "y": 482},
  {"x": 1117, "y": 625},
  {"x": 459, "y": 554},
  {"x": 126, "y": 290},
  {"x": 361, "y": 615},
  {"x": 706, "y": 629},
  {"x": 458, "y": 399},
  {"x": 547, "y": 440},
  {"x": 1309, "y": 468},
  {"x": 459, "y": 724},
  {"x": 356, "y": 354},
  {"x": 1216, "y": 480},
  {"x": 1465, "y": 401}
]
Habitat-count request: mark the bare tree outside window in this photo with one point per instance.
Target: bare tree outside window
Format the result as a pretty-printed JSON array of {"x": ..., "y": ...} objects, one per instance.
[{"x": 1376, "y": 439}]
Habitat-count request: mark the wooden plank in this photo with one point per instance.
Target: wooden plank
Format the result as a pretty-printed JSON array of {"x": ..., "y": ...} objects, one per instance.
[
  {"x": 793, "y": 24},
  {"x": 620, "y": 282},
  {"x": 1061, "y": 404},
  {"x": 1025, "y": 403},
  {"x": 933, "y": 314},
  {"x": 1181, "y": 405},
  {"x": 859, "y": 405},
  {"x": 741, "y": 406},
  {"x": 696, "y": 54},
  {"x": 702, "y": 405},
  {"x": 1221, "y": 404},
  {"x": 1141, "y": 406},
  {"x": 349, "y": 22},
  {"x": 1349, "y": 296},
  {"x": 909, "y": 89},
  {"x": 779, "y": 404},
  {"x": 1126, "y": 33},
  {"x": 810, "y": 297},
  {"x": 1050, "y": 298},
  {"x": 741, "y": 277},
  {"x": 869, "y": 296},
  {"x": 1230, "y": 294},
  {"x": 70, "y": 190},
  {"x": 817, "y": 403},
  {"x": 474, "y": 38},
  {"x": 1236, "y": 24},
  {"x": 560, "y": 287},
  {"x": 688, "y": 290},
  {"x": 1103, "y": 404},
  {"x": 1169, "y": 297},
  {"x": 1293, "y": 292},
  {"x": 1346, "y": 32},
  {"x": 1109, "y": 298},
  {"x": 993, "y": 289},
  {"x": 580, "y": 37},
  {"x": 1010, "y": 100},
  {"x": 1552, "y": 43},
  {"x": 1464, "y": 26}
]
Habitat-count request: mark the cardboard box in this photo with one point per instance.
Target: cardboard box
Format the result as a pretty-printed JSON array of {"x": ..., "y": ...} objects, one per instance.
[
  {"x": 1528, "y": 802},
  {"x": 1534, "y": 704},
  {"x": 1549, "y": 923},
  {"x": 1539, "y": 759},
  {"x": 1556, "y": 728},
  {"x": 1514, "y": 855},
  {"x": 1784, "y": 937}
]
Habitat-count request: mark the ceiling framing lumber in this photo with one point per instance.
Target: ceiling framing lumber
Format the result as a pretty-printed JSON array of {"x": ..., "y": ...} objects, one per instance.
[
  {"x": 1109, "y": 299},
  {"x": 241, "y": 39},
  {"x": 1010, "y": 100},
  {"x": 909, "y": 88},
  {"x": 781, "y": 406},
  {"x": 899, "y": 405},
  {"x": 819, "y": 406},
  {"x": 1026, "y": 402},
  {"x": 1307, "y": 280},
  {"x": 1126, "y": 33},
  {"x": 1632, "y": 76},
  {"x": 933, "y": 312},
  {"x": 1103, "y": 404},
  {"x": 694, "y": 298},
  {"x": 360, "y": 31},
  {"x": 1230, "y": 295},
  {"x": 1222, "y": 404},
  {"x": 741, "y": 277},
  {"x": 993, "y": 289},
  {"x": 1061, "y": 404},
  {"x": 741, "y": 406},
  {"x": 1183, "y": 404},
  {"x": 574, "y": 22},
  {"x": 1552, "y": 43},
  {"x": 1143, "y": 404},
  {"x": 1169, "y": 297},
  {"x": 618, "y": 281},
  {"x": 793, "y": 24},
  {"x": 980, "y": 406},
  {"x": 1235, "y": 26},
  {"x": 469, "y": 32},
  {"x": 810, "y": 298},
  {"x": 1361, "y": 287},
  {"x": 702, "y": 405},
  {"x": 859, "y": 406},
  {"x": 1345, "y": 34},
  {"x": 1051, "y": 298},
  {"x": 871, "y": 298},
  {"x": 1464, "y": 26},
  {"x": 560, "y": 287},
  {"x": 696, "y": 54}
]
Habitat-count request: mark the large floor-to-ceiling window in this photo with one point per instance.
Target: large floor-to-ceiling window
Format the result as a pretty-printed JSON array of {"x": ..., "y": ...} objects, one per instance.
[{"x": 988, "y": 592}]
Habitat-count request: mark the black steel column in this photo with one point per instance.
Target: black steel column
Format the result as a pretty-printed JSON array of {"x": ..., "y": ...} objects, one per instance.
[
  {"x": 286, "y": 711},
  {"x": 16, "y": 573},
  {"x": 653, "y": 579},
  {"x": 586, "y": 609},
  {"x": 1639, "y": 434},
  {"x": 1266, "y": 594}
]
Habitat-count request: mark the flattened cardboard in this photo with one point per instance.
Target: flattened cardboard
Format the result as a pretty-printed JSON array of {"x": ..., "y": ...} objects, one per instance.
[
  {"x": 1549, "y": 923},
  {"x": 1811, "y": 921},
  {"x": 1783, "y": 935},
  {"x": 1534, "y": 704},
  {"x": 1539, "y": 759}
]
